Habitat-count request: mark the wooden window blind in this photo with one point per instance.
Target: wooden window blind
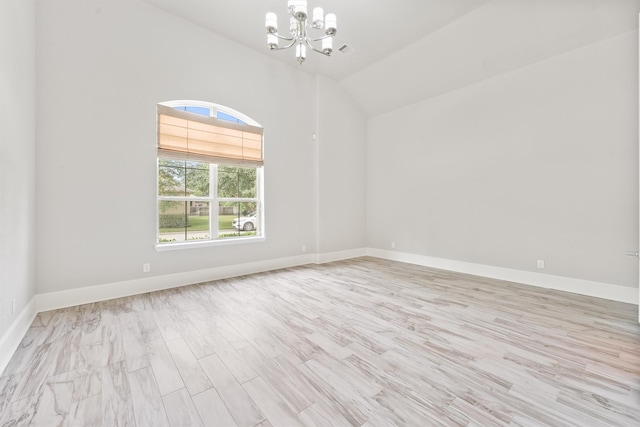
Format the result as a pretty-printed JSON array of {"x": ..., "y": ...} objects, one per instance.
[{"x": 185, "y": 135}]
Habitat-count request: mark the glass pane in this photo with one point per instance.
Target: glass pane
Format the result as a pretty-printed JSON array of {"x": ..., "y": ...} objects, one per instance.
[
  {"x": 226, "y": 213},
  {"x": 198, "y": 227},
  {"x": 203, "y": 111},
  {"x": 228, "y": 117},
  {"x": 170, "y": 162},
  {"x": 172, "y": 221},
  {"x": 180, "y": 221},
  {"x": 171, "y": 178},
  {"x": 236, "y": 181},
  {"x": 237, "y": 219},
  {"x": 197, "y": 179},
  {"x": 227, "y": 181}
]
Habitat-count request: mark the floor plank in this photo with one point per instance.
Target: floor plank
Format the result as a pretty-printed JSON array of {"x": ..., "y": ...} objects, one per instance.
[
  {"x": 147, "y": 403},
  {"x": 181, "y": 410},
  {"x": 212, "y": 410},
  {"x": 240, "y": 405},
  {"x": 192, "y": 374}
]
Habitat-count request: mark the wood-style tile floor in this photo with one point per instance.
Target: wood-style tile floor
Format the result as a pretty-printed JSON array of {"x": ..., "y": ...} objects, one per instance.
[{"x": 364, "y": 342}]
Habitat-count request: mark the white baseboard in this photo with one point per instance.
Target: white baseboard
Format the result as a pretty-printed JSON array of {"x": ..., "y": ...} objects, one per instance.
[
  {"x": 11, "y": 339},
  {"x": 567, "y": 284},
  {"x": 340, "y": 255},
  {"x": 78, "y": 296}
]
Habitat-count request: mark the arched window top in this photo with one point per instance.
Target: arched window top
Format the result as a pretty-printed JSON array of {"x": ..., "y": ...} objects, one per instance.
[
  {"x": 210, "y": 132},
  {"x": 211, "y": 109}
]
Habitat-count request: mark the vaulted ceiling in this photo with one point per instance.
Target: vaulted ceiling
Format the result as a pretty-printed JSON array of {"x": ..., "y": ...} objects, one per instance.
[{"x": 406, "y": 51}]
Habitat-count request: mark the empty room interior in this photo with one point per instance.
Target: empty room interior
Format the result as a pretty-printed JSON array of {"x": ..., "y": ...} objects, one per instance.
[{"x": 324, "y": 213}]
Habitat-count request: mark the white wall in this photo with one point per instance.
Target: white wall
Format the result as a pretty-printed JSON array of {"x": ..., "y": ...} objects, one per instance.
[
  {"x": 17, "y": 159},
  {"x": 103, "y": 66},
  {"x": 538, "y": 163},
  {"x": 342, "y": 169}
]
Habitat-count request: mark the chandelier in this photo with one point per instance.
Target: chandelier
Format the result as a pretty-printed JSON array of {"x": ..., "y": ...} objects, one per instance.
[{"x": 300, "y": 29}]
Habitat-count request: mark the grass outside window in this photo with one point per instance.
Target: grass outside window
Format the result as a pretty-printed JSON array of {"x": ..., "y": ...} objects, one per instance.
[{"x": 201, "y": 223}]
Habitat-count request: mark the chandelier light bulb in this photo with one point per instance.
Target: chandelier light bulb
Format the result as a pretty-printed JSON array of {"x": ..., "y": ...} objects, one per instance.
[
  {"x": 272, "y": 41},
  {"x": 301, "y": 53},
  {"x": 271, "y": 23},
  {"x": 327, "y": 46},
  {"x": 300, "y": 10},
  {"x": 318, "y": 18},
  {"x": 330, "y": 23},
  {"x": 293, "y": 26}
]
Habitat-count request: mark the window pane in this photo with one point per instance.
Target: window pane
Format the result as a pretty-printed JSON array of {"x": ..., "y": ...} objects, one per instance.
[
  {"x": 236, "y": 181},
  {"x": 171, "y": 162},
  {"x": 203, "y": 111},
  {"x": 172, "y": 221},
  {"x": 226, "y": 213},
  {"x": 237, "y": 219},
  {"x": 197, "y": 179},
  {"x": 228, "y": 117},
  {"x": 183, "y": 178},
  {"x": 180, "y": 221},
  {"x": 198, "y": 227},
  {"x": 171, "y": 178}
]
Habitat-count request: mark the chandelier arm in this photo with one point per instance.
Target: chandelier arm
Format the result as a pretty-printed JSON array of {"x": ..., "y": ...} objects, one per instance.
[
  {"x": 319, "y": 51},
  {"x": 293, "y": 42},
  {"x": 328, "y": 36},
  {"x": 307, "y": 42},
  {"x": 284, "y": 38}
]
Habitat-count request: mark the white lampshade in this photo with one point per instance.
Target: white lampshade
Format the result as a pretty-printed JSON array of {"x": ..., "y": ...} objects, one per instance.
[
  {"x": 271, "y": 23},
  {"x": 327, "y": 45},
  {"x": 272, "y": 41},
  {"x": 330, "y": 24},
  {"x": 318, "y": 17},
  {"x": 293, "y": 26},
  {"x": 301, "y": 52},
  {"x": 300, "y": 10}
]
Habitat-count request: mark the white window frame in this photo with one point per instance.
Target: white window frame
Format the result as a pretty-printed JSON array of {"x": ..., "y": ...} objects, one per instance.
[{"x": 213, "y": 198}]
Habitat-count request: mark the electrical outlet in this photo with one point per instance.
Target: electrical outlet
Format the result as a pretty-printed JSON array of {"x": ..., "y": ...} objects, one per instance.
[
  {"x": 146, "y": 268},
  {"x": 393, "y": 245},
  {"x": 304, "y": 248},
  {"x": 540, "y": 263}
]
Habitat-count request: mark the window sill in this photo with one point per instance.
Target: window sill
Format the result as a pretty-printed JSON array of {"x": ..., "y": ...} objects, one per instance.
[{"x": 162, "y": 247}]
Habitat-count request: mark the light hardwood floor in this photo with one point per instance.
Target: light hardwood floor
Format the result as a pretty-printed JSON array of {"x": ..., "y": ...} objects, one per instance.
[{"x": 363, "y": 342}]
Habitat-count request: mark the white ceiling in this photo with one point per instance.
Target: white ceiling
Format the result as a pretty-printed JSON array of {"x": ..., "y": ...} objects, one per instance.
[
  {"x": 410, "y": 50},
  {"x": 374, "y": 28}
]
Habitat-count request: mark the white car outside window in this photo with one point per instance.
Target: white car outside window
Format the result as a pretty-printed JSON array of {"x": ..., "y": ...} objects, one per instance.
[{"x": 245, "y": 223}]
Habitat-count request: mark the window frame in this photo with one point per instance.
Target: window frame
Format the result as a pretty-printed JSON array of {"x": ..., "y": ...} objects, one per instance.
[{"x": 213, "y": 199}]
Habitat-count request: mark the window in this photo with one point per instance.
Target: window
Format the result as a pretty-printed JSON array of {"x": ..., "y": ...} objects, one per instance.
[{"x": 209, "y": 175}]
